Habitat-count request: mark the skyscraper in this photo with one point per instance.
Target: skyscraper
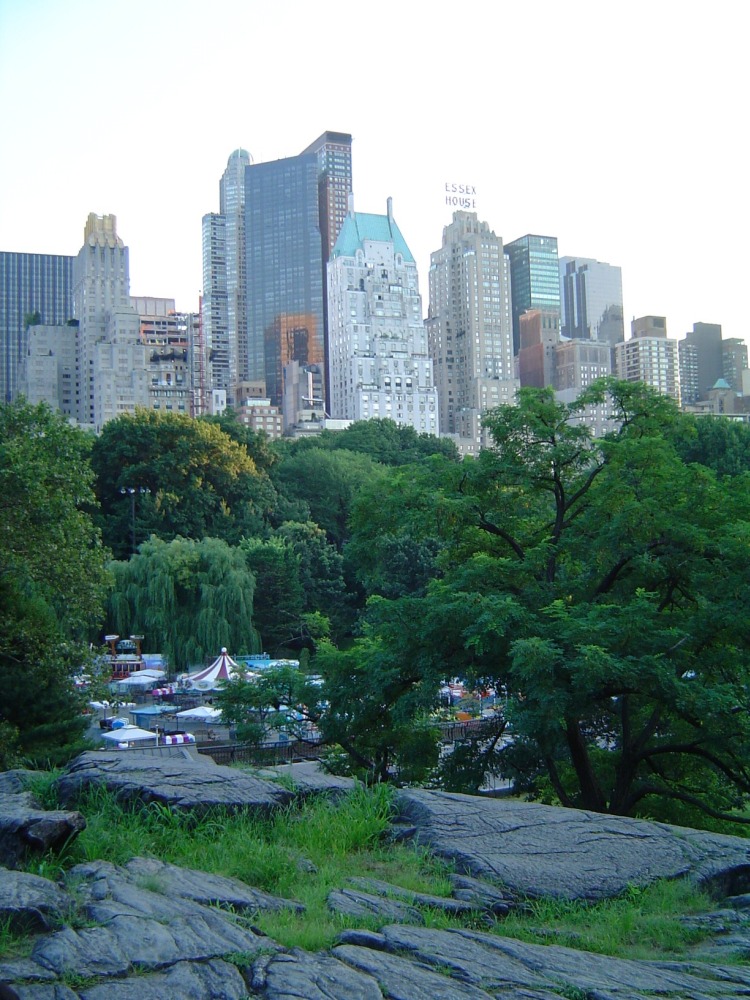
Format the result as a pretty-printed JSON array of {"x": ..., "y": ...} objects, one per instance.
[
  {"x": 591, "y": 300},
  {"x": 294, "y": 209},
  {"x": 701, "y": 362},
  {"x": 112, "y": 361},
  {"x": 469, "y": 325},
  {"x": 224, "y": 299},
  {"x": 379, "y": 365},
  {"x": 535, "y": 278},
  {"x": 29, "y": 283}
]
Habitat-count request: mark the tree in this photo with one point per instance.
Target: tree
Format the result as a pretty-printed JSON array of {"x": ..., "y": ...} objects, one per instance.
[
  {"x": 327, "y": 481},
  {"x": 52, "y": 580},
  {"x": 602, "y": 585},
  {"x": 279, "y": 601},
  {"x": 282, "y": 698},
  {"x": 187, "y": 598},
  {"x": 717, "y": 442},
  {"x": 200, "y": 481}
]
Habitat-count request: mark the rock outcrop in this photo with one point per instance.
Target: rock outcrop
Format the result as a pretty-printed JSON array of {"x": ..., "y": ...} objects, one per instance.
[
  {"x": 534, "y": 850},
  {"x": 26, "y": 828},
  {"x": 148, "y": 930},
  {"x": 181, "y": 783}
]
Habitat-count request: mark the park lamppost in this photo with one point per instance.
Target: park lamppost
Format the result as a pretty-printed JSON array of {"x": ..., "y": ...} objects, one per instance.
[{"x": 132, "y": 492}]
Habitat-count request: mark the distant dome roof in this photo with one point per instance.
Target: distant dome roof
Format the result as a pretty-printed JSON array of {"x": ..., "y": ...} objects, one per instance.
[
  {"x": 721, "y": 383},
  {"x": 239, "y": 154}
]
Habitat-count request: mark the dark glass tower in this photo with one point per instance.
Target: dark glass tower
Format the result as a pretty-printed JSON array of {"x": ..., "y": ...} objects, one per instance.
[
  {"x": 534, "y": 278},
  {"x": 29, "y": 283},
  {"x": 294, "y": 209}
]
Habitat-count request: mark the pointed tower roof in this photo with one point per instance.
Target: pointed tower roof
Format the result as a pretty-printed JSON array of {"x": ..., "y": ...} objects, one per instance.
[{"x": 361, "y": 226}]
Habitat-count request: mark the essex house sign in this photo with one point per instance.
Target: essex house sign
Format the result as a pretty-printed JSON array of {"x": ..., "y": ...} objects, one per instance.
[{"x": 460, "y": 195}]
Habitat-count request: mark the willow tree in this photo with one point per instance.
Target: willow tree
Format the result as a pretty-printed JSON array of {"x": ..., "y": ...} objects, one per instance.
[{"x": 187, "y": 598}]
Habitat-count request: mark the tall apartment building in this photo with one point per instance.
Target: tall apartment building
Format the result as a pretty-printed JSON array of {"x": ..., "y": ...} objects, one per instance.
[
  {"x": 734, "y": 361},
  {"x": 112, "y": 362},
  {"x": 701, "y": 362},
  {"x": 540, "y": 335},
  {"x": 591, "y": 300},
  {"x": 650, "y": 356},
  {"x": 214, "y": 308},
  {"x": 469, "y": 325},
  {"x": 169, "y": 338},
  {"x": 47, "y": 372},
  {"x": 535, "y": 278},
  {"x": 294, "y": 209},
  {"x": 30, "y": 283},
  {"x": 379, "y": 365}
]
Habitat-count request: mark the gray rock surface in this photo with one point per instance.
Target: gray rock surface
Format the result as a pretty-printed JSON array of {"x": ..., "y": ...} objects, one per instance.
[
  {"x": 352, "y": 903},
  {"x": 28, "y": 902},
  {"x": 25, "y": 828},
  {"x": 380, "y": 888},
  {"x": 183, "y": 981},
  {"x": 504, "y": 967},
  {"x": 534, "y": 850},
  {"x": 298, "y": 975},
  {"x": 481, "y": 894},
  {"x": 308, "y": 778},
  {"x": 202, "y": 887},
  {"x": 178, "y": 782},
  {"x": 16, "y": 780}
]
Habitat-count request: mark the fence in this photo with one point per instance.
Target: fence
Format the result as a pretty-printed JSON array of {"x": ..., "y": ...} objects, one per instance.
[{"x": 295, "y": 750}]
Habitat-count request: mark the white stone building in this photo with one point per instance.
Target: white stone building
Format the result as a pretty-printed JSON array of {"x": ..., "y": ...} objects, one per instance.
[{"x": 378, "y": 361}]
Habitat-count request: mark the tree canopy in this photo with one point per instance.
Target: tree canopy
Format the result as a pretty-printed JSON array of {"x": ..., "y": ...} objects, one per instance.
[
  {"x": 52, "y": 579},
  {"x": 201, "y": 481},
  {"x": 187, "y": 598},
  {"x": 601, "y": 584}
]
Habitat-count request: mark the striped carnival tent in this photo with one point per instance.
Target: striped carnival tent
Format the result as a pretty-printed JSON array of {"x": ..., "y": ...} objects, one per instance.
[{"x": 221, "y": 670}]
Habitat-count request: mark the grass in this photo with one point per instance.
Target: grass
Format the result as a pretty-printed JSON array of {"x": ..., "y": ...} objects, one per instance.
[
  {"x": 642, "y": 924},
  {"x": 304, "y": 851}
]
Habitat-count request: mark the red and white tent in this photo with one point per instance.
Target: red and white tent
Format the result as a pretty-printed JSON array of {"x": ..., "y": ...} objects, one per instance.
[{"x": 222, "y": 669}]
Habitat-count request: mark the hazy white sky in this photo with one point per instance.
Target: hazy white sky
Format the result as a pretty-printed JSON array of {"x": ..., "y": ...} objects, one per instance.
[{"x": 620, "y": 128}]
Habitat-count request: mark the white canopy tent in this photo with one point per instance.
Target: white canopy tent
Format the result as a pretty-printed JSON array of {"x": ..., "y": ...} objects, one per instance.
[
  {"x": 130, "y": 734},
  {"x": 203, "y": 713},
  {"x": 142, "y": 678}
]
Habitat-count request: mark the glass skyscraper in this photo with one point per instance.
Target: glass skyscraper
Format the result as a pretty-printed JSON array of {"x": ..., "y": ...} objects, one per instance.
[
  {"x": 591, "y": 300},
  {"x": 29, "y": 283},
  {"x": 294, "y": 209},
  {"x": 534, "y": 278}
]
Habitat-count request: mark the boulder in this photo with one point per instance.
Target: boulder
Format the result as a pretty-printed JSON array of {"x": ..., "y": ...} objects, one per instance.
[
  {"x": 298, "y": 975},
  {"x": 308, "y": 778},
  {"x": 180, "y": 783},
  {"x": 28, "y": 902},
  {"x": 25, "y": 828},
  {"x": 185, "y": 980},
  {"x": 535, "y": 850}
]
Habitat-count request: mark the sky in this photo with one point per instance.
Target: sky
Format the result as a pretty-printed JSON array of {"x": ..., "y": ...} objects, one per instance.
[{"x": 620, "y": 128}]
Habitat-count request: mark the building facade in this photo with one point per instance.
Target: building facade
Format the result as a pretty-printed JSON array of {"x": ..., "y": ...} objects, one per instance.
[
  {"x": 591, "y": 300},
  {"x": 112, "y": 370},
  {"x": 540, "y": 335},
  {"x": 701, "y": 361},
  {"x": 535, "y": 278},
  {"x": 379, "y": 364},
  {"x": 734, "y": 361},
  {"x": 31, "y": 284},
  {"x": 650, "y": 356},
  {"x": 470, "y": 331}
]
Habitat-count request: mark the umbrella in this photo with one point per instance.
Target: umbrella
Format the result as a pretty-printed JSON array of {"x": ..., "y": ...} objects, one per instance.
[
  {"x": 130, "y": 734},
  {"x": 203, "y": 713}
]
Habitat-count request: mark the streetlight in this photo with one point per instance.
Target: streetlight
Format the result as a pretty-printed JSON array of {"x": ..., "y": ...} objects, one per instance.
[{"x": 132, "y": 492}]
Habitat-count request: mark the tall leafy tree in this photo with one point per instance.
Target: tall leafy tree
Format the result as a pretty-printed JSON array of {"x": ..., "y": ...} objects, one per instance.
[
  {"x": 201, "y": 482},
  {"x": 602, "y": 585},
  {"x": 52, "y": 580},
  {"x": 187, "y": 598}
]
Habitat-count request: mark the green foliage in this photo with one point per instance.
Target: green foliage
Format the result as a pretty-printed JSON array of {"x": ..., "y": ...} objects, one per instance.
[
  {"x": 281, "y": 698},
  {"x": 202, "y": 481},
  {"x": 721, "y": 444},
  {"x": 602, "y": 585},
  {"x": 326, "y": 482},
  {"x": 187, "y": 598},
  {"x": 52, "y": 582}
]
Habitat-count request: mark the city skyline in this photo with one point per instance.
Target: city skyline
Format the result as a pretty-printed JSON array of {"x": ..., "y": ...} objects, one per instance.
[{"x": 112, "y": 116}]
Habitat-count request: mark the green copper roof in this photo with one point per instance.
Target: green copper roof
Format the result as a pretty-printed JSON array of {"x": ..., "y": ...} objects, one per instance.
[
  {"x": 363, "y": 226},
  {"x": 721, "y": 383}
]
